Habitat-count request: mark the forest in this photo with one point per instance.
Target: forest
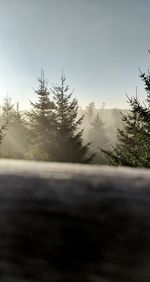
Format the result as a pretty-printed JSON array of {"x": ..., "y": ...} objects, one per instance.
[{"x": 57, "y": 129}]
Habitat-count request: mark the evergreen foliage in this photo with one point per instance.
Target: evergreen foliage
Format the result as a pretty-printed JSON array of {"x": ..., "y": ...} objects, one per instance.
[
  {"x": 8, "y": 112},
  {"x": 69, "y": 145},
  {"x": 90, "y": 112},
  {"x": 98, "y": 138},
  {"x": 133, "y": 145},
  {"x": 16, "y": 142},
  {"x": 42, "y": 123},
  {"x": 3, "y": 129},
  {"x": 52, "y": 129}
]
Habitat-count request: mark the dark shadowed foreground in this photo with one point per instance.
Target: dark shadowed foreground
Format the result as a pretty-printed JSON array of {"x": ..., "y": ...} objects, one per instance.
[{"x": 73, "y": 223}]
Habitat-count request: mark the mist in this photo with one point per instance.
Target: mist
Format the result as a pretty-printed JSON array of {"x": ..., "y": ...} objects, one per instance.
[{"x": 99, "y": 126}]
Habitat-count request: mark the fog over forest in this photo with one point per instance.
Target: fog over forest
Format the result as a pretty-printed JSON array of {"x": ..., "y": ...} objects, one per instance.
[
  {"x": 74, "y": 140},
  {"x": 57, "y": 129},
  {"x": 101, "y": 51},
  {"x": 22, "y": 132}
]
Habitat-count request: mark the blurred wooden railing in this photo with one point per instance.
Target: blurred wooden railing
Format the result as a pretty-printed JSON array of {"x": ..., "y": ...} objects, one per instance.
[{"x": 73, "y": 223}]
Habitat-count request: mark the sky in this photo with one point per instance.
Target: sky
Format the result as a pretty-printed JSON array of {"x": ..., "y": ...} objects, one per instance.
[{"x": 100, "y": 44}]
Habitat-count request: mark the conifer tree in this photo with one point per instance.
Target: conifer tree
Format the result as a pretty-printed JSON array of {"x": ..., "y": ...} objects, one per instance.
[
  {"x": 8, "y": 112},
  {"x": 89, "y": 115},
  {"x": 20, "y": 132},
  {"x": 41, "y": 122},
  {"x": 90, "y": 112},
  {"x": 98, "y": 138},
  {"x": 15, "y": 144},
  {"x": 18, "y": 116},
  {"x": 69, "y": 141},
  {"x": 133, "y": 145},
  {"x": 3, "y": 129}
]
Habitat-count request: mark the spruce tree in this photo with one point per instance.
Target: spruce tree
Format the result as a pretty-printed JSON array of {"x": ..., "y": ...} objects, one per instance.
[
  {"x": 98, "y": 138},
  {"x": 89, "y": 115},
  {"x": 15, "y": 144},
  {"x": 133, "y": 145},
  {"x": 41, "y": 122},
  {"x": 20, "y": 133},
  {"x": 8, "y": 115},
  {"x": 69, "y": 142},
  {"x": 90, "y": 112},
  {"x": 8, "y": 112},
  {"x": 3, "y": 129}
]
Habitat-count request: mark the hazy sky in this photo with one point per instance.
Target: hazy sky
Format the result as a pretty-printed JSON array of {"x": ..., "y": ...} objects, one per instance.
[{"x": 100, "y": 44}]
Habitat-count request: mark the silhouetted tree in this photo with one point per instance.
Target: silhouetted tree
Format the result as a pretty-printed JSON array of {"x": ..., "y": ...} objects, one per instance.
[
  {"x": 69, "y": 141},
  {"x": 8, "y": 112},
  {"x": 133, "y": 145},
  {"x": 98, "y": 138},
  {"x": 90, "y": 112},
  {"x": 3, "y": 129},
  {"x": 41, "y": 121},
  {"x": 15, "y": 144}
]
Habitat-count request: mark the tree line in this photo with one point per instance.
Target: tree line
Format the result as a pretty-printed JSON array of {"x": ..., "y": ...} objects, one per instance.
[
  {"x": 56, "y": 129},
  {"x": 49, "y": 131},
  {"x": 52, "y": 130}
]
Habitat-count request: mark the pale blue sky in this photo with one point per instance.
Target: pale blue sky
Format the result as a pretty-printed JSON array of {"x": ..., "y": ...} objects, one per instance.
[{"x": 100, "y": 44}]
